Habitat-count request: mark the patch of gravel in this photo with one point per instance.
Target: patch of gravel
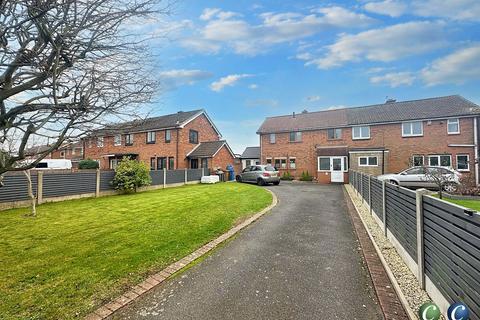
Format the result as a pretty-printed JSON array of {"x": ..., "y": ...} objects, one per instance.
[{"x": 407, "y": 281}]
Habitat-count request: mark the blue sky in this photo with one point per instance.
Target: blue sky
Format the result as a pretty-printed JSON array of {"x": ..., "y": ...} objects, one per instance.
[{"x": 245, "y": 60}]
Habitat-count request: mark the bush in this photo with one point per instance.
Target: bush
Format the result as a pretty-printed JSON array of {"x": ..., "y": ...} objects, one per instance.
[
  {"x": 131, "y": 175},
  {"x": 286, "y": 176},
  {"x": 306, "y": 176},
  {"x": 88, "y": 164},
  {"x": 468, "y": 186}
]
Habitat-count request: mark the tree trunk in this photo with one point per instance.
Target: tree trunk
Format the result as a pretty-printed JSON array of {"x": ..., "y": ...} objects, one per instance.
[{"x": 32, "y": 197}]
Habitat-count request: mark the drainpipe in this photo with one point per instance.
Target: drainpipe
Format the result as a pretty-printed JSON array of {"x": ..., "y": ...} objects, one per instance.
[
  {"x": 475, "y": 138},
  {"x": 176, "y": 158},
  {"x": 383, "y": 161}
]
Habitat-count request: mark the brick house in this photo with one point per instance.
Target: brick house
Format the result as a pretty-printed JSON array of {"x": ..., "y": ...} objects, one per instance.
[
  {"x": 70, "y": 150},
  {"x": 175, "y": 141},
  {"x": 375, "y": 139},
  {"x": 251, "y": 156}
]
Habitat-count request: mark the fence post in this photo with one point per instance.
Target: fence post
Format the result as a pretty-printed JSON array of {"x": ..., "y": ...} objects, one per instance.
[
  {"x": 97, "y": 184},
  {"x": 361, "y": 188},
  {"x": 164, "y": 178},
  {"x": 384, "y": 208},
  {"x": 370, "y": 193},
  {"x": 420, "y": 244},
  {"x": 186, "y": 175},
  {"x": 40, "y": 187}
]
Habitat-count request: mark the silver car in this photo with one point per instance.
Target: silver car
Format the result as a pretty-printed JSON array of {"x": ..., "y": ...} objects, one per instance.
[
  {"x": 420, "y": 177},
  {"x": 259, "y": 174}
]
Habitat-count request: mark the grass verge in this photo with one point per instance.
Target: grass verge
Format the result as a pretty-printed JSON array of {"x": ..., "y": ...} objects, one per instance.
[{"x": 78, "y": 254}]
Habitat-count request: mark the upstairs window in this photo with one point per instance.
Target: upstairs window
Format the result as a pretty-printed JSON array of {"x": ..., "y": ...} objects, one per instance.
[
  {"x": 100, "y": 142},
  {"x": 272, "y": 138},
  {"x": 453, "y": 126},
  {"x": 361, "y": 133},
  {"x": 129, "y": 139},
  {"x": 168, "y": 136},
  {"x": 151, "y": 137},
  {"x": 334, "y": 133},
  {"x": 412, "y": 129},
  {"x": 117, "y": 140},
  {"x": 295, "y": 136},
  {"x": 193, "y": 136}
]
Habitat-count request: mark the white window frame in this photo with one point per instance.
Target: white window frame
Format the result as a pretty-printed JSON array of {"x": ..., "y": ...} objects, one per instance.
[
  {"x": 100, "y": 142},
  {"x": 468, "y": 162},
  {"x": 150, "y": 135},
  {"x": 419, "y": 156},
  {"x": 344, "y": 159},
  {"x": 329, "y": 164},
  {"x": 117, "y": 140},
  {"x": 368, "y": 161},
  {"x": 298, "y": 136},
  {"x": 360, "y": 137},
  {"x": 411, "y": 134},
  {"x": 335, "y": 137},
  {"x": 295, "y": 162},
  {"x": 272, "y": 138},
  {"x": 439, "y": 161},
  {"x": 457, "y": 120},
  {"x": 129, "y": 142}
]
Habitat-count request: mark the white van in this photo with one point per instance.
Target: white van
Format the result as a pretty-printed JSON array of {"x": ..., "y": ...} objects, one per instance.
[{"x": 54, "y": 164}]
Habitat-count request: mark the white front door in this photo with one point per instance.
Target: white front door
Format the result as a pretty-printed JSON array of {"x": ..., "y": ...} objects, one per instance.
[{"x": 336, "y": 169}]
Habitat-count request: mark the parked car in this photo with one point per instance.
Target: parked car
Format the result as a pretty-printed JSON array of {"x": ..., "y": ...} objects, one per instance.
[
  {"x": 54, "y": 164},
  {"x": 259, "y": 174},
  {"x": 420, "y": 177}
]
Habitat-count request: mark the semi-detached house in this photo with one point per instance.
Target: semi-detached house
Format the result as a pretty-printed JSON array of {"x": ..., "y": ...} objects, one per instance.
[
  {"x": 375, "y": 139},
  {"x": 174, "y": 141}
]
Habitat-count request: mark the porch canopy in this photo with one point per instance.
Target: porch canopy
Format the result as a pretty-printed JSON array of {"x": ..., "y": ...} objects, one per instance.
[{"x": 330, "y": 151}]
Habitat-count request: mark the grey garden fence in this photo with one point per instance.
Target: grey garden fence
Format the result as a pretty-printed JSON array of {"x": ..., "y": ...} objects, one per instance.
[
  {"x": 439, "y": 241},
  {"x": 51, "y": 185}
]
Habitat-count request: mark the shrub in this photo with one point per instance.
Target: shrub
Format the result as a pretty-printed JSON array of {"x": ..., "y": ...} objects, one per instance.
[
  {"x": 306, "y": 176},
  {"x": 88, "y": 164},
  {"x": 468, "y": 186},
  {"x": 131, "y": 175},
  {"x": 286, "y": 176}
]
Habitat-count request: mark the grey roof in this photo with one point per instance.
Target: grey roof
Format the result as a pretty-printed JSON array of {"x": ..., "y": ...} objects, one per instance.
[
  {"x": 251, "y": 153},
  {"x": 174, "y": 120},
  {"x": 207, "y": 149},
  {"x": 431, "y": 108}
]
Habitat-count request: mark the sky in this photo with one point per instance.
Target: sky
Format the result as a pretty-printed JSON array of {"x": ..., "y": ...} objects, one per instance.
[{"x": 243, "y": 61}]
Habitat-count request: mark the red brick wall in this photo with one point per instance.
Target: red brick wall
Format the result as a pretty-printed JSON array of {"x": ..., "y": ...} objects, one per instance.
[
  {"x": 222, "y": 159},
  {"x": 159, "y": 149},
  {"x": 434, "y": 141}
]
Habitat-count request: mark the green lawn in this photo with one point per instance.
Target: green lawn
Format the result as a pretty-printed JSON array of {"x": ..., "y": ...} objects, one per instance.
[
  {"x": 77, "y": 254},
  {"x": 472, "y": 204}
]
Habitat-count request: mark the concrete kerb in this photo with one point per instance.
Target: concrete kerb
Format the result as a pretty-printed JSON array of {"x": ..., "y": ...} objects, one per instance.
[
  {"x": 106, "y": 310},
  {"x": 392, "y": 278}
]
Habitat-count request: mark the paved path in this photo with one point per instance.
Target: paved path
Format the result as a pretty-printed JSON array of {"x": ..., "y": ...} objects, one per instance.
[{"x": 301, "y": 261}]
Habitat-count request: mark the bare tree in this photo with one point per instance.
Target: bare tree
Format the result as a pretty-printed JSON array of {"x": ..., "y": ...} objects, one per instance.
[
  {"x": 443, "y": 179},
  {"x": 67, "y": 66}
]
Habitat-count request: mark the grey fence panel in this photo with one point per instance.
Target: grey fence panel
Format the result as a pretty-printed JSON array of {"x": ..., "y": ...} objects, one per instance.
[
  {"x": 175, "y": 176},
  {"x": 65, "y": 184},
  {"x": 157, "y": 177},
  {"x": 106, "y": 178},
  {"x": 15, "y": 187},
  {"x": 195, "y": 174},
  {"x": 365, "y": 187},
  {"x": 401, "y": 218},
  {"x": 452, "y": 252},
  {"x": 377, "y": 198}
]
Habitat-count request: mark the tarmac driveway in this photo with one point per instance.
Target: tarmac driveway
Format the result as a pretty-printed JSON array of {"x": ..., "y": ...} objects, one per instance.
[{"x": 301, "y": 261}]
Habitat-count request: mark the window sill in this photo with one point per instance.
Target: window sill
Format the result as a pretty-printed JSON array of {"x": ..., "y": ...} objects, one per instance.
[
  {"x": 151, "y": 142},
  {"x": 367, "y": 166},
  {"x": 295, "y": 141},
  {"x": 335, "y": 139},
  {"x": 128, "y": 144},
  {"x": 463, "y": 170},
  {"x": 361, "y": 138},
  {"x": 413, "y": 136},
  {"x": 453, "y": 133}
]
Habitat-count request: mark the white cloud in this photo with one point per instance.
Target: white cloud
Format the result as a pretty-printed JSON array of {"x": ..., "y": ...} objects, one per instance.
[
  {"x": 451, "y": 9},
  {"x": 394, "y": 79},
  {"x": 227, "y": 29},
  {"x": 312, "y": 98},
  {"x": 392, "y": 8},
  {"x": 458, "y": 67},
  {"x": 172, "y": 79},
  {"x": 253, "y": 86},
  {"x": 385, "y": 44},
  {"x": 228, "y": 81}
]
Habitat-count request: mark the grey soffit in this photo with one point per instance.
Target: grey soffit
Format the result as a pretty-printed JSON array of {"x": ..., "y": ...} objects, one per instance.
[
  {"x": 174, "y": 120},
  {"x": 431, "y": 108},
  {"x": 251, "y": 153},
  {"x": 332, "y": 151},
  {"x": 207, "y": 149}
]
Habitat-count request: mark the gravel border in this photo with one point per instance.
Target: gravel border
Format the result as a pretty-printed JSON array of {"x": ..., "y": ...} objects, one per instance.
[{"x": 414, "y": 296}]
